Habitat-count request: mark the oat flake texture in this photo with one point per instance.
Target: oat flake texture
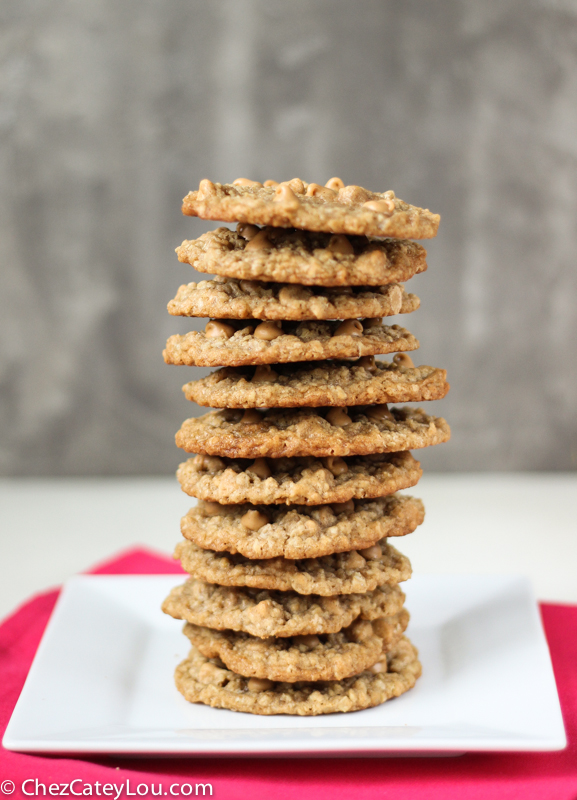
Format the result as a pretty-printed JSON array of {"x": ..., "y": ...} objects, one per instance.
[{"x": 294, "y": 601}]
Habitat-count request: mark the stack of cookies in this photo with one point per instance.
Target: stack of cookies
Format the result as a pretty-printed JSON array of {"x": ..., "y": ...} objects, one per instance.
[{"x": 293, "y": 605}]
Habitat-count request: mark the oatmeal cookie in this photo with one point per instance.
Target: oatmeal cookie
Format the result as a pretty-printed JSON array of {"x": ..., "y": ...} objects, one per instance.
[
  {"x": 325, "y": 657},
  {"x": 203, "y": 680},
  {"x": 234, "y": 343},
  {"x": 339, "y": 573},
  {"x": 296, "y": 204},
  {"x": 304, "y": 257},
  {"x": 264, "y": 613},
  {"x": 280, "y": 433},
  {"x": 300, "y": 532},
  {"x": 226, "y": 297},
  {"x": 308, "y": 481},
  {"x": 319, "y": 383}
]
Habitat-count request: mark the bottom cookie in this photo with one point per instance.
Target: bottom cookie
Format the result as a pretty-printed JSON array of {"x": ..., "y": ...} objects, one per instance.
[{"x": 203, "y": 680}]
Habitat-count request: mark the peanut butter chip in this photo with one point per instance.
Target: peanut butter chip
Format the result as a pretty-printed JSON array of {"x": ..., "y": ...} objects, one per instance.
[
  {"x": 251, "y": 416},
  {"x": 268, "y": 330},
  {"x": 340, "y": 245},
  {"x": 372, "y": 322},
  {"x": 323, "y": 515},
  {"x": 247, "y": 231},
  {"x": 259, "y": 241},
  {"x": 202, "y": 462},
  {"x": 213, "y": 462},
  {"x": 353, "y": 194},
  {"x": 372, "y": 552},
  {"x": 335, "y": 183},
  {"x": 296, "y": 185},
  {"x": 215, "y": 328},
  {"x": 380, "y": 627},
  {"x": 354, "y": 560},
  {"x": 338, "y": 417},
  {"x": 270, "y": 183},
  {"x": 396, "y": 298},
  {"x": 285, "y": 195},
  {"x": 260, "y": 468},
  {"x": 289, "y": 295},
  {"x": 206, "y": 188},
  {"x": 307, "y": 639},
  {"x": 259, "y": 685},
  {"x": 378, "y": 667},
  {"x": 380, "y": 206},
  {"x": 262, "y": 609},
  {"x": 264, "y": 372},
  {"x": 254, "y": 520},
  {"x": 249, "y": 286},
  {"x": 344, "y": 508},
  {"x": 246, "y": 182},
  {"x": 336, "y": 465},
  {"x": 379, "y": 413},
  {"x": 210, "y": 509},
  {"x": 210, "y": 673},
  {"x": 314, "y": 190},
  {"x": 368, "y": 362},
  {"x": 361, "y": 630},
  {"x": 403, "y": 360},
  {"x": 349, "y": 327}
]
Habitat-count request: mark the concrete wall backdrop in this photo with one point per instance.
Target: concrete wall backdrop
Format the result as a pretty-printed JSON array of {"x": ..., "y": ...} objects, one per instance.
[{"x": 111, "y": 111}]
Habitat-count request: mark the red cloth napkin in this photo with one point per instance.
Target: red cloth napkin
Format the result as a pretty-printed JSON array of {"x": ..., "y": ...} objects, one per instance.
[{"x": 542, "y": 776}]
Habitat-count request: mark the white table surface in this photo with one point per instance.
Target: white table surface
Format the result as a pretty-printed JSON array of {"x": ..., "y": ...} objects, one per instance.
[{"x": 522, "y": 523}]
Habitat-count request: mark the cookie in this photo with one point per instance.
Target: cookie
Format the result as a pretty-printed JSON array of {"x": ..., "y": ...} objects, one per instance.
[
  {"x": 203, "y": 680},
  {"x": 340, "y": 573},
  {"x": 300, "y": 532},
  {"x": 232, "y": 343},
  {"x": 226, "y": 297},
  {"x": 326, "y": 657},
  {"x": 288, "y": 432},
  {"x": 308, "y": 481},
  {"x": 264, "y": 613},
  {"x": 304, "y": 257},
  {"x": 296, "y": 204},
  {"x": 319, "y": 383}
]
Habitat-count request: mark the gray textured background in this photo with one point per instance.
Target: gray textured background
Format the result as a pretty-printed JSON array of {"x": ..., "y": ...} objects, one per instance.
[{"x": 111, "y": 111}]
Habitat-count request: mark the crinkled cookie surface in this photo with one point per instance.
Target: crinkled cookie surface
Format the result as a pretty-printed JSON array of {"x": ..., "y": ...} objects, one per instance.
[
  {"x": 234, "y": 343},
  {"x": 264, "y": 613},
  {"x": 297, "y": 532},
  {"x": 318, "y": 383},
  {"x": 303, "y": 257},
  {"x": 296, "y": 204},
  {"x": 338, "y": 573},
  {"x": 227, "y": 297},
  {"x": 208, "y": 681},
  {"x": 325, "y": 657},
  {"x": 308, "y": 481},
  {"x": 279, "y": 433}
]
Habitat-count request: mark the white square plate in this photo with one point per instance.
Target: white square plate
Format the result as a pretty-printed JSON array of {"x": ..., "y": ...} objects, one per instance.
[{"x": 102, "y": 682}]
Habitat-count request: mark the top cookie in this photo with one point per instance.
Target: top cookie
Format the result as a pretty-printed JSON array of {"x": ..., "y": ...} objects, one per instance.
[
  {"x": 334, "y": 208},
  {"x": 285, "y": 255}
]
